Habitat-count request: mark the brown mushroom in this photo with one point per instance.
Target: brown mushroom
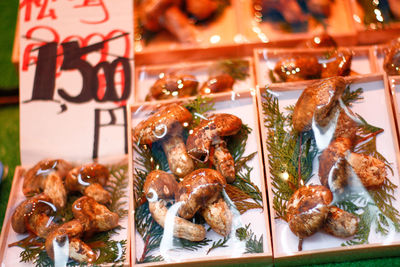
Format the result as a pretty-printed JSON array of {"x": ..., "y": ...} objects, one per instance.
[
  {"x": 201, "y": 9},
  {"x": 289, "y": 9},
  {"x": 160, "y": 187},
  {"x": 210, "y": 132},
  {"x": 173, "y": 86},
  {"x": 216, "y": 84},
  {"x": 370, "y": 170},
  {"x": 307, "y": 209},
  {"x": 218, "y": 216},
  {"x": 38, "y": 204},
  {"x": 166, "y": 126},
  {"x": 319, "y": 99},
  {"x": 338, "y": 64},
  {"x": 391, "y": 63},
  {"x": 70, "y": 232},
  {"x": 93, "y": 216},
  {"x": 201, "y": 191},
  {"x": 90, "y": 180},
  {"x": 150, "y": 11},
  {"x": 48, "y": 176},
  {"x": 319, "y": 41},
  {"x": 177, "y": 23},
  {"x": 340, "y": 223},
  {"x": 298, "y": 68},
  {"x": 319, "y": 7}
]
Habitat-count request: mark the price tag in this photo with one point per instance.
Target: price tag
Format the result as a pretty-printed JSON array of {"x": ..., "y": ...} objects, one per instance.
[{"x": 76, "y": 67}]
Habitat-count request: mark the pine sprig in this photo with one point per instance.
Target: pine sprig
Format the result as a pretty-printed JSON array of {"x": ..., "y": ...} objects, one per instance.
[
  {"x": 117, "y": 184},
  {"x": 238, "y": 69},
  {"x": 253, "y": 245},
  {"x": 284, "y": 145},
  {"x": 351, "y": 96},
  {"x": 198, "y": 107},
  {"x": 221, "y": 243}
]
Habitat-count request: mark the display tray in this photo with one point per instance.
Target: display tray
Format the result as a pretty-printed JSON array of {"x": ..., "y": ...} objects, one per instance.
[
  {"x": 394, "y": 85},
  {"x": 373, "y": 34},
  {"x": 368, "y": 242},
  {"x": 220, "y": 30},
  {"x": 150, "y": 249},
  {"x": 239, "y": 68},
  {"x": 120, "y": 239},
  {"x": 272, "y": 28},
  {"x": 363, "y": 62}
]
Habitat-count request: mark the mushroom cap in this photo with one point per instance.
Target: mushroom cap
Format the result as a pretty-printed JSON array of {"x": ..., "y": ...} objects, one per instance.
[
  {"x": 307, "y": 209},
  {"x": 318, "y": 100},
  {"x": 209, "y": 132},
  {"x": 173, "y": 86},
  {"x": 221, "y": 83},
  {"x": 37, "y": 204},
  {"x": 159, "y": 124},
  {"x": 94, "y": 216},
  {"x": 160, "y": 185},
  {"x": 298, "y": 68},
  {"x": 198, "y": 189},
  {"x": 81, "y": 177},
  {"x": 35, "y": 176}
]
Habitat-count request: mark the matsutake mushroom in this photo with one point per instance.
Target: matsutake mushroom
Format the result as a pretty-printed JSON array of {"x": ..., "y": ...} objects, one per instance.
[
  {"x": 318, "y": 101},
  {"x": 159, "y": 188},
  {"x": 201, "y": 191},
  {"x": 217, "y": 84},
  {"x": 173, "y": 86},
  {"x": 90, "y": 180},
  {"x": 298, "y": 68},
  {"x": 48, "y": 176},
  {"x": 94, "y": 216},
  {"x": 340, "y": 223},
  {"x": 165, "y": 125},
  {"x": 69, "y": 234},
  {"x": 209, "y": 133},
  {"x": 338, "y": 64}
]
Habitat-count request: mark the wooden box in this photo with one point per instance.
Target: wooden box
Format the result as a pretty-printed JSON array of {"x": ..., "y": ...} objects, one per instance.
[
  {"x": 244, "y": 106},
  {"x": 376, "y": 109},
  {"x": 363, "y": 62},
  {"x": 372, "y": 34},
  {"x": 10, "y": 256},
  {"x": 339, "y": 25},
  {"x": 147, "y": 75}
]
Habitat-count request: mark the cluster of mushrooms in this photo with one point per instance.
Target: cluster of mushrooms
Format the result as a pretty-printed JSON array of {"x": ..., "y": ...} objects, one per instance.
[
  {"x": 198, "y": 190},
  {"x": 47, "y": 185},
  {"x": 185, "y": 85},
  {"x": 310, "y": 208},
  {"x": 173, "y": 16},
  {"x": 291, "y": 10}
]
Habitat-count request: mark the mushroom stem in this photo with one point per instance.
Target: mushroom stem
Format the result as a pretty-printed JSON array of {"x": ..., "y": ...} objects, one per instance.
[
  {"x": 55, "y": 189},
  {"x": 182, "y": 228},
  {"x": 223, "y": 161},
  {"x": 179, "y": 161},
  {"x": 219, "y": 217}
]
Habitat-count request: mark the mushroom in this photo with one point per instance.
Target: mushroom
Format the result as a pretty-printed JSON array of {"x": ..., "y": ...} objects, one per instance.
[
  {"x": 335, "y": 161},
  {"x": 159, "y": 188},
  {"x": 93, "y": 216},
  {"x": 290, "y": 9},
  {"x": 177, "y": 23},
  {"x": 218, "y": 216},
  {"x": 90, "y": 180},
  {"x": 318, "y": 100},
  {"x": 209, "y": 132},
  {"x": 165, "y": 125},
  {"x": 340, "y": 223},
  {"x": 319, "y": 41},
  {"x": 391, "y": 63},
  {"x": 69, "y": 233},
  {"x": 298, "y": 68},
  {"x": 173, "y": 86},
  {"x": 216, "y": 84},
  {"x": 150, "y": 11},
  {"x": 338, "y": 64},
  {"x": 201, "y": 9},
  {"x": 307, "y": 209},
  {"x": 319, "y": 7},
  {"x": 47, "y": 176},
  {"x": 38, "y": 204},
  {"x": 201, "y": 191}
]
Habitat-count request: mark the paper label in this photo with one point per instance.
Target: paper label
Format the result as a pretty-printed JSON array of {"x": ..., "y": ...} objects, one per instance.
[{"x": 76, "y": 69}]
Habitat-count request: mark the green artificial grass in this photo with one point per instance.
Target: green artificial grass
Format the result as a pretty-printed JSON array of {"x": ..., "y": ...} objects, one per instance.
[
  {"x": 8, "y": 15},
  {"x": 9, "y": 151}
]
